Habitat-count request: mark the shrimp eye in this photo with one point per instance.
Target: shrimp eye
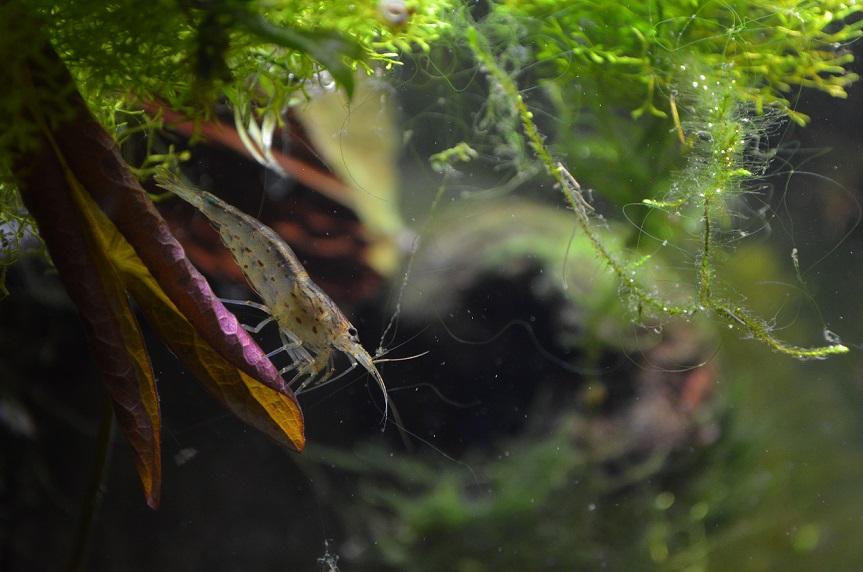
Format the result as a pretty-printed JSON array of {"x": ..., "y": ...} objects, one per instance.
[{"x": 352, "y": 332}]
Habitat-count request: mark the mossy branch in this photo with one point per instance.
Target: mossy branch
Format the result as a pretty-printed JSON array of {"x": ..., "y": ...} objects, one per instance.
[
  {"x": 719, "y": 175},
  {"x": 561, "y": 177},
  {"x": 715, "y": 166},
  {"x": 759, "y": 330}
]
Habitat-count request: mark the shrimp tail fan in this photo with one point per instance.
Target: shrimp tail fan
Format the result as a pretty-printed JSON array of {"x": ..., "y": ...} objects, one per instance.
[{"x": 170, "y": 181}]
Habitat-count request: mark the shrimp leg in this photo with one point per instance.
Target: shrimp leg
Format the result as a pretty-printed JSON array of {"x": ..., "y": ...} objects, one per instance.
[
  {"x": 316, "y": 379},
  {"x": 285, "y": 348},
  {"x": 259, "y": 327},
  {"x": 299, "y": 375},
  {"x": 294, "y": 346},
  {"x": 248, "y": 303},
  {"x": 334, "y": 379},
  {"x": 288, "y": 368}
]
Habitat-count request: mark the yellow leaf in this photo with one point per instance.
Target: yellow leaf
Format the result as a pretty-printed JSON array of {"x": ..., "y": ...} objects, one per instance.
[
  {"x": 275, "y": 414},
  {"x": 134, "y": 394}
]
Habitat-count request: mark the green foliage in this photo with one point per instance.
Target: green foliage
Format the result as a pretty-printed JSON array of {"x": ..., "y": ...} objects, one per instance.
[
  {"x": 188, "y": 54},
  {"x": 731, "y": 66},
  {"x": 600, "y": 64},
  {"x": 547, "y": 504},
  {"x": 642, "y": 49},
  {"x": 461, "y": 153},
  {"x": 699, "y": 79}
]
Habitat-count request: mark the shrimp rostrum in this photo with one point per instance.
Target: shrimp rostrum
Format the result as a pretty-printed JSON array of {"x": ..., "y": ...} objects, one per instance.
[{"x": 311, "y": 327}]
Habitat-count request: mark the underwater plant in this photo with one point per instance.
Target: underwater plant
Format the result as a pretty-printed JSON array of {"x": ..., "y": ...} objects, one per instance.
[
  {"x": 700, "y": 85},
  {"x": 725, "y": 73},
  {"x": 72, "y": 68}
]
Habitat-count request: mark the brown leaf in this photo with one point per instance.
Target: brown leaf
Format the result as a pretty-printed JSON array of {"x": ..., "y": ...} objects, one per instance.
[
  {"x": 218, "y": 132},
  {"x": 99, "y": 293}
]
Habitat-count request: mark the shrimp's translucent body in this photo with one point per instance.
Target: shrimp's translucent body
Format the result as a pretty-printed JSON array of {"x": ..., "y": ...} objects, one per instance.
[{"x": 310, "y": 324}]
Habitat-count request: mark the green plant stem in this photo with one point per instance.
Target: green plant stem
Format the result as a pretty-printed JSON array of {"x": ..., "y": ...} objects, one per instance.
[
  {"x": 704, "y": 290},
  {"x": 728, "y": 135},
  {"x": 96, "y": 491},
  {"x": 760, "y": 331},
  {"x": 737, "y": 316}
]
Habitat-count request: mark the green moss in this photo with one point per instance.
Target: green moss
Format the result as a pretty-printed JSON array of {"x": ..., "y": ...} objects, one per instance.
[
  {"x": 734, "y": 62},
  {"x": 260, "y": 55},
  {"x": 641, "y": 49},
  {"x": 188, "y": 53},
  {"x": 699, "y": 80}
]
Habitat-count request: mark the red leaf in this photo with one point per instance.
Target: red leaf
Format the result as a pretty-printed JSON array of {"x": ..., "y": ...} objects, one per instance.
[
  {"x": 98, "y": 292},
  {"x": 94, "y": 158},
  {"x": 216, "y": 131},
  {"x": 74, "y": 156},
  {"x": 276, "y": 414}
]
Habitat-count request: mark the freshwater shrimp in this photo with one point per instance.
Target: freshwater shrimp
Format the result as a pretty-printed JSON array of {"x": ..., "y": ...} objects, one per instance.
[{"x": 311, "y": 326}]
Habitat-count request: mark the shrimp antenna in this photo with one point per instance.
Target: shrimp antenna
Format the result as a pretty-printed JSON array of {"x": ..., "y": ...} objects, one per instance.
[
  {"x": 397, "y": 422},
  {"x": 408, "y": 358},
  {"x": 381, "y": 352}
]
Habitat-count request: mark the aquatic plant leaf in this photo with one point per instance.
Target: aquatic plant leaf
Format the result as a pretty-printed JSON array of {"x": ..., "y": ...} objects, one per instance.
[
  {"x": 330, "y": 48},
  {"x": 96, "y": 288},
  {"x": 172, "y": 293},
  {"x": 274, "y": 413},
  {"x": 359, "y": 142},
  {"x": 75, "y": 160},
  {"x": 93, "y": 156},
  {"x": 225, "y": 135}
]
